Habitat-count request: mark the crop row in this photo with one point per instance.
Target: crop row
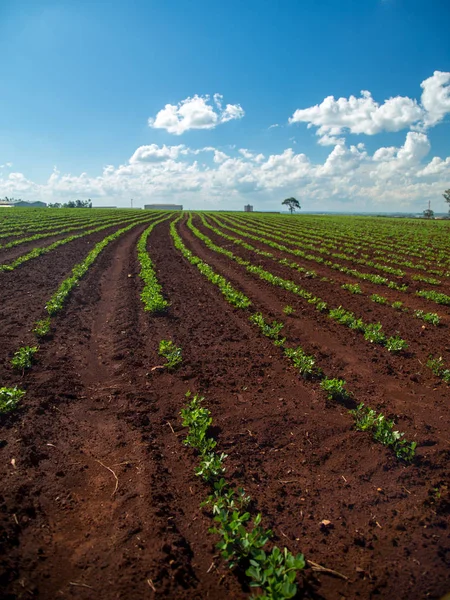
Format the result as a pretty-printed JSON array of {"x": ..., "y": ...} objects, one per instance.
[
  {"x": 54, "y": 224},
  {"x": 39, "y": 251},
  {"x": 373, "y": 332},
  {"x": 242, "y": 539},
  {"x": 151, "y": 295},
  {"x": 24, "y": 357},
  {"x": 375, "y": 279},
  {"x": 322, "y": 245},
  {"x": 331, "y": 235},
  {"x": 59, "y": 231},
  {"x": 334, "y": 387},
  {"x": 432, "y": 318}
]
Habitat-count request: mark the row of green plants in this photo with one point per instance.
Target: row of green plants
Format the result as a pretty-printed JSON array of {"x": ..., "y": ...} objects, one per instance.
[
  {"x": 366, "y": 419},
  {"x": 335, "y": 388},
  {"x": 352, "y": 288},
  {"x": 437, "y": 297},
  {"x": 234, "y": 297},
  {"x": 354, "y": 258},
  {"x": 283, "y": 261},
  {"x": 151, "y": 294},
  {"x": 353, "y": 243},
  {"x": 56, "y": 302},
  {"x": 46, "y": 226},
  {"x": 35, "y": 224},
  {"x": 243, "y": 541},
  {"x": 373, "y": 278},
  {"x": 45, "y": 249},
  {"x": 59, "y": 231},
  {"x": 24, "y": 357},
  {"x": 372, "y": 331},
  {"x": 324, "y": 247}
]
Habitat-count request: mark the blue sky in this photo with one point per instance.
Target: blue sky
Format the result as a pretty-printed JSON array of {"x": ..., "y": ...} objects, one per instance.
[{"x": 81, "y": 80}]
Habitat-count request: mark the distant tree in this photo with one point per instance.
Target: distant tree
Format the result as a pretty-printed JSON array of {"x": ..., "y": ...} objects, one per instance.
[
  {"x": 446, "y": 195},
  {"x": 55, "y": 205},
  {"x": 292, "y": 204},
  {"x": 78, "y": 204},
  {"x": 428, "y": 214}
]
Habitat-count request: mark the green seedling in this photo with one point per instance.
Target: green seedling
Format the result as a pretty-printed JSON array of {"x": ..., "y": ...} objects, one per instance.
[
  {"x": 23, "y": 358},
  {"x": 352, "y": 287},
  {"x": 305, "y": 363},
  {"x": 335, "y": 389},
  {"x": 171, "y": 353},
  {"x": 42, "y": 327},
  {"x": 397, "y": 305},
  {"x": 437, "y": 366},
  {"x": 271, "y": 331},
  {"x": 378, "y": 299},
  {"x": 396, "y": 344},
  {"x": 431, "y": 318},
  {"x": 373, "y": 333},
  {"x": 288, "y": 310},
  {"x": 275, "y": 572},
  {"x": 9, "y": 398},
  {"x": 366, "y": 419}
]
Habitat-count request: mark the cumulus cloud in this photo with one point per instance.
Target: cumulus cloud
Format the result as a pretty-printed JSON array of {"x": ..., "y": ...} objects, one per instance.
[
  {"x": 391, "y": 178},
  {"x": 154, "y": 153},
  {"x": 195, "y": 113},
  {"x": 364, "y": 115},
  {"x": 436, "y": 97}
]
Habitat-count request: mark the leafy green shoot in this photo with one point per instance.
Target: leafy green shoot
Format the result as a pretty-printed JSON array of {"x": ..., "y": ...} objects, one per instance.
[
  {"x": 42, "y": 327},
  {"x": 23, "y": 358},
  {"x": 171, "y": 353},
  {"x": 9, "y": 398}
]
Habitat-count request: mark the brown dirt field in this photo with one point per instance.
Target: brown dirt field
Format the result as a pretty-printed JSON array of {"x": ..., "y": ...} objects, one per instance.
[{"x": 93, "y": 404}]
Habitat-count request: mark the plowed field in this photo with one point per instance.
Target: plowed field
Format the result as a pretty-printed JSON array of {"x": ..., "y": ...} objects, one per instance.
[{"x": 99, "y": 497}]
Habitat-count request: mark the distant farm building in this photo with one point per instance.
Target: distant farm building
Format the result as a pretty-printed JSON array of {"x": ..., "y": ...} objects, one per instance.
[
  {"x": 35, "y": 204},
  {"x": 23, "y": 204},
  {"x": 6, "y": 204},
  {"x": 163, "y": 207},
  {"x": 248, "y": 208}
]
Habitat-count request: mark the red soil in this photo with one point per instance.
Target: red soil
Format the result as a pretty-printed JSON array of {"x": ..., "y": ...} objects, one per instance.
[{"x": 95, "y": 411}]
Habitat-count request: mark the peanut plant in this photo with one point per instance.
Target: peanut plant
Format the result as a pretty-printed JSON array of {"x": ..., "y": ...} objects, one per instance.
[
  {"x": 23, "y": 358},
  {"x": 171, "y": 353},
  {"x": 366, "y": 419},
  {"x": 9, "y": 398},
  {"x": 242, "y": 539}
]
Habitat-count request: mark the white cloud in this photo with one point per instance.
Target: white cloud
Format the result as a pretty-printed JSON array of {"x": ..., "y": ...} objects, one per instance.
[
  {"x": 436, "y": 166},
  {"x": 392, "y": 178},
  {"x": 195, "y": 113},
  {"x": 405, "y": 160},
  {"x": 359, "y": 115},
  {"x": 436, "y": 97},
  {"x": 330, "y": 140},
  {"x": 220, "y": 157},
  {"x": 154, "y": 153},
  {"x": 363, "y": 115},
  {"x": 246, "y": 153}
]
